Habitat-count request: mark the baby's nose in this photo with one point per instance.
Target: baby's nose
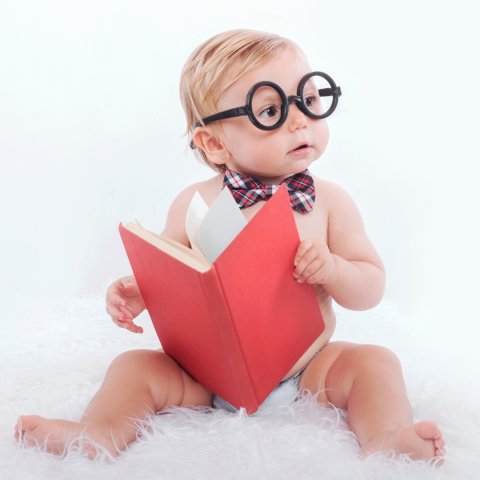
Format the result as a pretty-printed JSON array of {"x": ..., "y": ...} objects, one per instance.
[{"x": 296, "y": 118}]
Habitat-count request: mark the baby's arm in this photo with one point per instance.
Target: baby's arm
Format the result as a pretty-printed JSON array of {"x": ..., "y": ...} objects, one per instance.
[
  {"x": 175, "y": 224},
  {"x": 124, "y": 300},
  {"x": 349, "y": 268}
]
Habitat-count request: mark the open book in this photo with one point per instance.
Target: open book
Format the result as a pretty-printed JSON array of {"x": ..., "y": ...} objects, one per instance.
[
  {"x": 229, "y": 310},
  {"x": 209, "y": 230}
]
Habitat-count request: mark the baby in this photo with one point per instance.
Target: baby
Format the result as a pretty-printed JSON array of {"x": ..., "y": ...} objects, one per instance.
[{"x": 265, "y": 135}]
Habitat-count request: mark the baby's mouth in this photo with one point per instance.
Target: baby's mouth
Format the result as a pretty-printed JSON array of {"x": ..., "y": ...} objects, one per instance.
[
  {"x": 301, "y": 146},
  {"x": 303, "y": 149}
]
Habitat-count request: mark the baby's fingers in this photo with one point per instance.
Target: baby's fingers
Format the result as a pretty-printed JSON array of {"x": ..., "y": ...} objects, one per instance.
[
  {"x": 303, "y": 248},
  {"x": 115, "y": 300},
  {"x": 117, "y": 303},
  {"x": 310, "y": 270},
  {"x": 128, "y": 289},
  {"x": 133, "y": 328},
  {"x": 124, "y": 320},
  {"x": 119, "y": 314},
  {"x": 115, "y": 314},
  {"x": 308, "y": 264},
  {"x": 125, "y": 314},
  {"x": 127, "y": 323}
]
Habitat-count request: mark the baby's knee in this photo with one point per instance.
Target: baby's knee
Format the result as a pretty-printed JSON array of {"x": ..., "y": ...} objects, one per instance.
[
  {"x": 143, "y": 361},
  {"x": 376, "y": 355}
]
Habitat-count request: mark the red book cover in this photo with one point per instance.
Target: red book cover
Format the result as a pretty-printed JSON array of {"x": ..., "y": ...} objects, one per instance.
[{"x": 239, "y": 327}]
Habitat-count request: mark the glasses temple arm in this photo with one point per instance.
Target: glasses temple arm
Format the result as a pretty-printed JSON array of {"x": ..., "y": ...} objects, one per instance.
[
  {"x": 233, "y": 112},
  {"x": 328, "y": 92}
]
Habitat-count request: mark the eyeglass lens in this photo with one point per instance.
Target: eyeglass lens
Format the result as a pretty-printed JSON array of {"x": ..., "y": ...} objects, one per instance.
[
  {"x": 267, "y": 106},
  {"x": 267, "y": 103},
  {"x": 312, "y": 99}
]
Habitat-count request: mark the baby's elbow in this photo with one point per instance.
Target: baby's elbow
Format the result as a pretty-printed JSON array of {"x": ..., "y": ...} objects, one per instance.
[
  {"x": 378, "y": 290},
  {"x": 375, "y": 293}
]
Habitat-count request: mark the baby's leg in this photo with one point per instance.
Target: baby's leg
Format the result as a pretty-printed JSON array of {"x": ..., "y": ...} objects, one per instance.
[
  {"x": 367, "y": 381},
  {"x": 137, "y": 384}
]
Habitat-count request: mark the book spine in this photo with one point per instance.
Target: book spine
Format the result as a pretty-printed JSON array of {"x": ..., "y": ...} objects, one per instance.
[{"x": 233, "y": 350}]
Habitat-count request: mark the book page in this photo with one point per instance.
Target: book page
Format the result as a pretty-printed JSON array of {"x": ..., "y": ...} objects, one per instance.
[
  {"x": 221, "y": 224},
  {"x": 195, "y": 214},
  {"x": 183, "y": 248},
  {"x": 173, "y": 248}
]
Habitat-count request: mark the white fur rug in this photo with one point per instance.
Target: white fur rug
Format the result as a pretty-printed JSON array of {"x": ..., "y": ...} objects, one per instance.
[{"x": 53, "y": 362}]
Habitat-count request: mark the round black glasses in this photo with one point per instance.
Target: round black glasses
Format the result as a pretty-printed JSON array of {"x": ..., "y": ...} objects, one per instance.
[{"x": 267, "y": 104}]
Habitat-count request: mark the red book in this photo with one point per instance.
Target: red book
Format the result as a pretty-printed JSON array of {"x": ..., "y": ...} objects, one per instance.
[{"x": 241, "y": 325}]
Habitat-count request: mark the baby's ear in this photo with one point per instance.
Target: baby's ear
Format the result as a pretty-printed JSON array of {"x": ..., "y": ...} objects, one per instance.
[{"x": 213, "y": 148}]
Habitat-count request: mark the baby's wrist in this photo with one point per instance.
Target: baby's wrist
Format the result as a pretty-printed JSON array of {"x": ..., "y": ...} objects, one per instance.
[{"x": 331, "y": 279}]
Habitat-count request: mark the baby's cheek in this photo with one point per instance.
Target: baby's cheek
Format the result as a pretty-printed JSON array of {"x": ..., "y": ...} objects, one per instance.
[{"x": 321, "y": 135}]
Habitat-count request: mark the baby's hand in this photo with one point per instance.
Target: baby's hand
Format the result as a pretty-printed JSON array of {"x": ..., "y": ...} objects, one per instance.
[
  {"x": 314, "y": 263},
  {"x": 125, "y": 302}
]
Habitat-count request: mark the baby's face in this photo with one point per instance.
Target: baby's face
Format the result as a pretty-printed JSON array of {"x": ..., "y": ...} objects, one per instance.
[{"x": 268, "y": 155}]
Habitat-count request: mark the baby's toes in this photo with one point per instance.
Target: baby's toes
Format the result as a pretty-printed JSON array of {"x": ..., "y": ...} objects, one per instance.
[
  {"x": 440, "y": 452},
  {"x": 439, "y": 449},
  {"x": 439, "y": 443},
  {"x": 27, "y": 422},
  {"x": 428, "y": 430},
  {"x": 25, "y": 425}
]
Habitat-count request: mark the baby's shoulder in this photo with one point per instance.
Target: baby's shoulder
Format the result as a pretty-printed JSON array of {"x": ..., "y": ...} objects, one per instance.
[
  {"x": 330, "y": 194},
  {"x": 175, "y": 224},
  {"x": 341, "y": 210},
  {"x": 208, "y": 190}
]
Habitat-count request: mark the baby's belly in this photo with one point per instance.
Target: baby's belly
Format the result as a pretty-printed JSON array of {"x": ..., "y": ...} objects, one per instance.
[{"x": 325, "y": 303}]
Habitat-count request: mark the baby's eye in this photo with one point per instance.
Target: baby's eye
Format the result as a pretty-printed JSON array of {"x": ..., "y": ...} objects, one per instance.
[
  {"x": 269, "y": 112},
  {"x": 310, "y": 101}
]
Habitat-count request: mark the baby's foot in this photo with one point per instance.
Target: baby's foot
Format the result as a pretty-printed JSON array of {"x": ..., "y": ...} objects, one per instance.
[
  {"x": 423, "y": 440},
  {"x": 55, "y": 435}
]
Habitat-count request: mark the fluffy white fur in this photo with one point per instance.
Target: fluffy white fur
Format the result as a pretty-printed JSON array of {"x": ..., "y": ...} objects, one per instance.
[{"x": 53, "y": 363}]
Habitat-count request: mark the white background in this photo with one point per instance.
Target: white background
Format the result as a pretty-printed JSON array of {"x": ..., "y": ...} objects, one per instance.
[{"x": 91, "y": 124}]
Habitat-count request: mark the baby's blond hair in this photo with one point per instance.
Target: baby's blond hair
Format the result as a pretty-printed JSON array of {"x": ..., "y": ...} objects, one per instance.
[{"x": 211, "y": 62}]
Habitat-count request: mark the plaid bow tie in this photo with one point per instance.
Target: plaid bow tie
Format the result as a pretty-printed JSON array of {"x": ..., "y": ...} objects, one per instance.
[{"x": 248, "y": 191}]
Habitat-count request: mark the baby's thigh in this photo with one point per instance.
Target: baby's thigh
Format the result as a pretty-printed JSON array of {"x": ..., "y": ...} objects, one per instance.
[
  {"x": 314, "y": 377},
  {"x": 176, "y": 387}
]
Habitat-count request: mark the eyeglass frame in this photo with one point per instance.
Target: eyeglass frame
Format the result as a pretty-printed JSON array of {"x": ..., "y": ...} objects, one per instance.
[{"x": 246, "y": 110}]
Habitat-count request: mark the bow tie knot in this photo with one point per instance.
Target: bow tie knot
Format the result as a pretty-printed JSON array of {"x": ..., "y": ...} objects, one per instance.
[
  {"x": 264, "y": 190},
  {"x": 248, "y": 191}
]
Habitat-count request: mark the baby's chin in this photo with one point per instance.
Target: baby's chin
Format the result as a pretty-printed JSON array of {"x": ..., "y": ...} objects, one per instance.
[
  {"x": 299, "y": 164},
  {"x": 271, "y": 167}
]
